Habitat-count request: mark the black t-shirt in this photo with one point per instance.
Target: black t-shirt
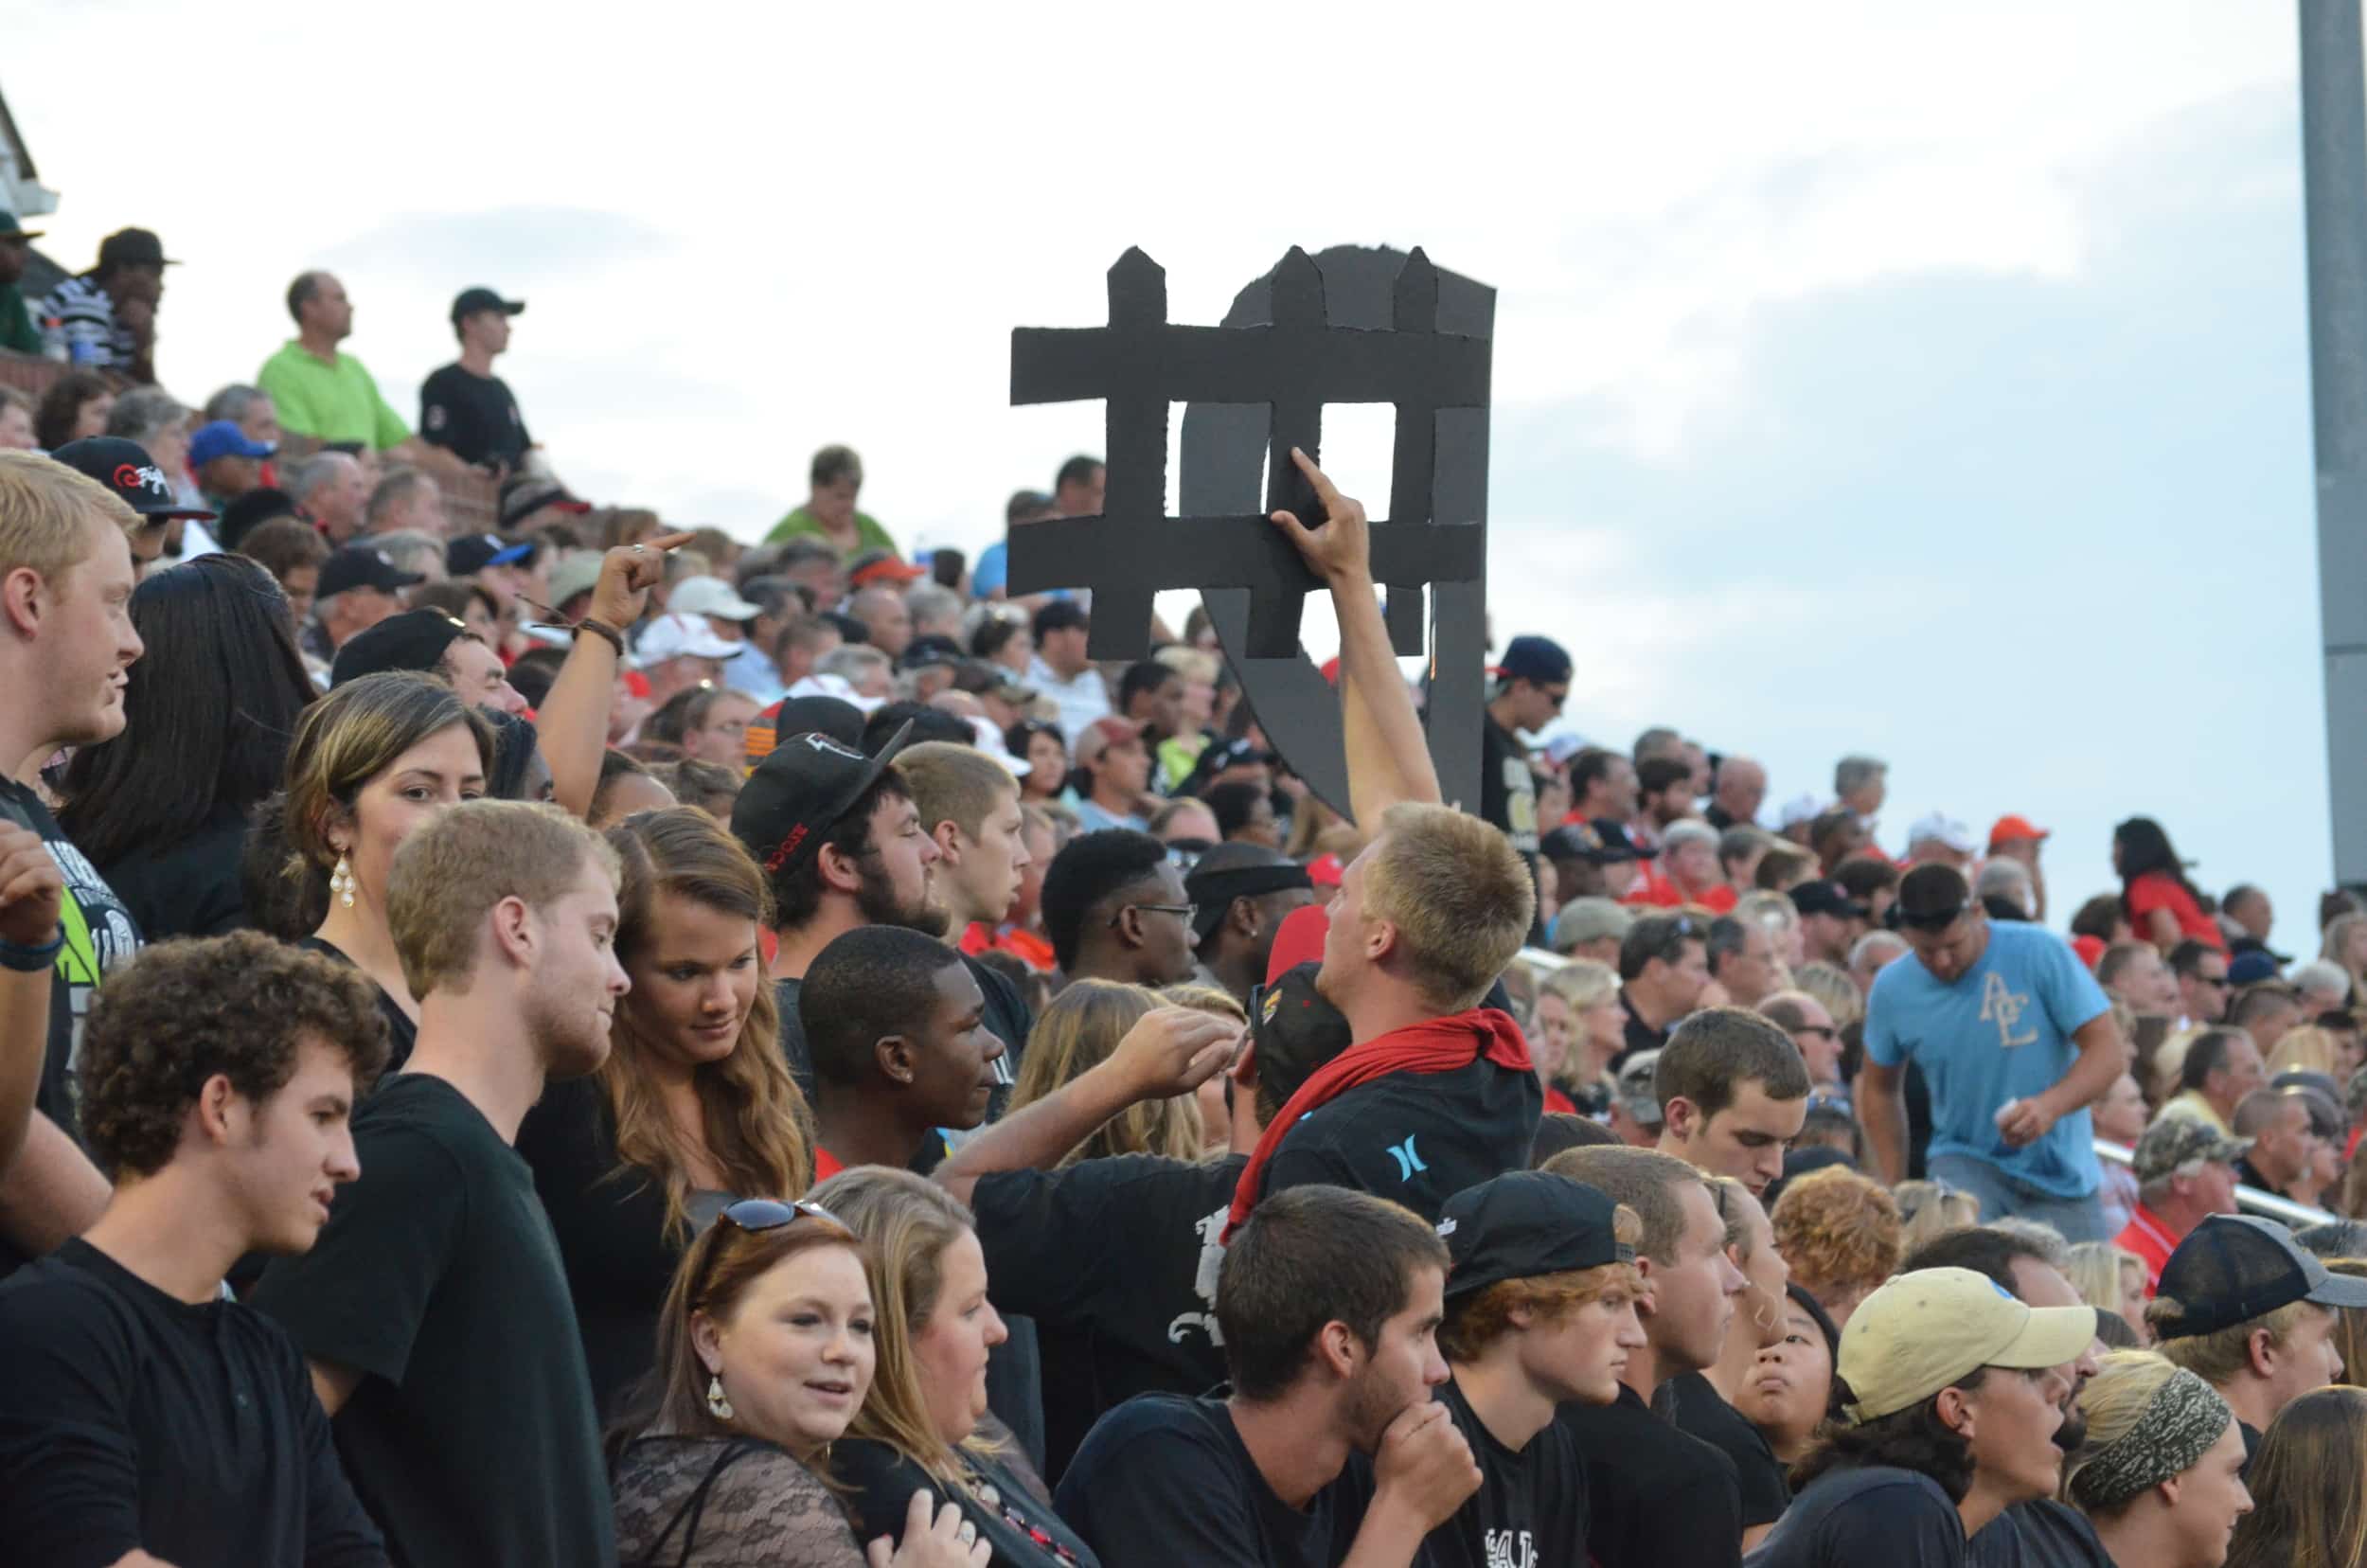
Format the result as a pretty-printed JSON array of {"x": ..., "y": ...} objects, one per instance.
[
  {"x": 1508, "y": 798},
  {"x": 99, "y": 935},
  {"x": 1697, "y": 1408},
  {"x": 2251, "y": 1446},
  {"x": 472, "y": 1437},
  {"x": 1657, "y": 1497},
  {"x": 190, "y": 887},
  {"x": 1165, "y": 1482},
  {"x": 130, "y": 1421},
  {"x": 1414, "y": 1138},
  {"x": 793, "y": 1048},
  {"x": 1639, "y": 1035},
  {"x": 1530, "y": 1510},
  {"x": 1868, "y": 1517},
  {"x": 1135, "y": 1312},
  {"x": 1009, "y": 1020},
  {"x": 402, "y": 1033},
  {"x": 1008, "y": 1516},
  {"x": 2041, "y": 1534},
  {"x": 610, "y": 1223},
  {"x": 474, "y": 416}
]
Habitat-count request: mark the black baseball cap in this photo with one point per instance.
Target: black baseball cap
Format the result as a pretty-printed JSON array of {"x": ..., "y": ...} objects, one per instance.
[
  {"x": 1826, "y": 898},
  {"x": 1293, "y": 1029},
  {"x": 130, "y": 474},
  {"x": 11, "y": 229},
  {"x": 133, "y": 247},
  {"x": 470, "y": 301},
  {"x": 522, "y": 497},
  {"x": 1525, "y": 1224},
  {"x": 2235, "y": 1267},
  {"x": 471, "y": 553},
  {"x": 362, "y": 566},
  {"x": 1213, "y": 890},
  {"x": 1932, "y": 897},
  {"x": 239, "y": 517},
  {"x": 414, "y": 640},
  {"x": 933, "y": 649},
  {"x": 1533, "y": 658},
  {"x": 800, "y": 791}
]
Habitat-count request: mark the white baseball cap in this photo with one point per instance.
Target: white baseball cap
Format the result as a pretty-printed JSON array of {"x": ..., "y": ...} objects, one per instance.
[
  {"x": 678, "y": 635},
  {"x": 710, "y": 595},
  {"x": 1939, "y": 828}
]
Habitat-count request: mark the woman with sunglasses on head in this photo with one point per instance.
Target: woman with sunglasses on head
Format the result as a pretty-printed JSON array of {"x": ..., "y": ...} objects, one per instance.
[
  {"x": 695, "y": 1102},
  {"x": 925, "y": 1426},
  {"x": 371, "y": 761},
  {"x": 764, "y": 1354}
]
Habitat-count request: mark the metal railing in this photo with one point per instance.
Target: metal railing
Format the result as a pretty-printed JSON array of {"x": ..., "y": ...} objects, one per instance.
[{"x": 2251, "y": 1200}]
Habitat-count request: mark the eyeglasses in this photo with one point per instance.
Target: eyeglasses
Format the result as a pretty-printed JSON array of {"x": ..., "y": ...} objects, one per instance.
[
  {"x": 756, "y": 1216},
  {"x": 2216, "y": 982},
  {"x": 1818, "y": 1029},
  {"x": 1184, "y": 911}
]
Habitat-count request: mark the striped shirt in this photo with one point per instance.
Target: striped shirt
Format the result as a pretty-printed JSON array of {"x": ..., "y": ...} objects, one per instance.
[{"x": 94, "y": 339}]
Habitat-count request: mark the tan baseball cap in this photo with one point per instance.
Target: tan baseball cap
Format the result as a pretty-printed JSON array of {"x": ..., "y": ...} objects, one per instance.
[{"x": 1922, "y": 1331}]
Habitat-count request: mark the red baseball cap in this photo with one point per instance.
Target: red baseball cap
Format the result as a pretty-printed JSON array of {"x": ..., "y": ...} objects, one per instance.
[
  {"x": 1297, "y": 940},
  {"x": 2010, "y": 827}
]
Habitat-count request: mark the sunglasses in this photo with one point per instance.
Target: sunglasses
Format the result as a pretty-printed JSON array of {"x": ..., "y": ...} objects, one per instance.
[{"x": 756, "y": 1216}]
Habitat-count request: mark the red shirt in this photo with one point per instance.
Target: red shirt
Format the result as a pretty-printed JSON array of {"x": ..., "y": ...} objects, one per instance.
[
  {"x": 1031, "y": 949},
  {"x": 825, "y": 1164},
  {"x": 1659, "y": 891},
  {"x": 2149, "y": 1238},
  {"x": 1557, "y": 1100},
  {"x": 2160, "y": 890}
]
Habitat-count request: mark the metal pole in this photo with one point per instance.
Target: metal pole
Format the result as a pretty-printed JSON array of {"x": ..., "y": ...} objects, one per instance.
[{"x": 2334, "y": 178}]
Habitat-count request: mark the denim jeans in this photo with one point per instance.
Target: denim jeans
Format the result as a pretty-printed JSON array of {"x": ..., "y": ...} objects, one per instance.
[{"x": 2078, "y": 1218}]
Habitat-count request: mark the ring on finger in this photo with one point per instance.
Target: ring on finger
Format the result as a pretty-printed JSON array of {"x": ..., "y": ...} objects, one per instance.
[{"x": 966, "y": 1533}]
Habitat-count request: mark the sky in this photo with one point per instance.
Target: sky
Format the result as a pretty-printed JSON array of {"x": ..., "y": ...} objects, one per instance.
[{"x": 1924, "y": 382}]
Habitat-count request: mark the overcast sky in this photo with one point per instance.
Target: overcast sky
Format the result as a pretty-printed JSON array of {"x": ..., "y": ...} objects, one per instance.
[{"x": 1924, "y": 380}]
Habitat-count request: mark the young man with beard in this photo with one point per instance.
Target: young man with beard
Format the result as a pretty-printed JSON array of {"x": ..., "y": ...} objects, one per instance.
[
  {"x": 1329, "y": 1449},
  {"x": 1541, "y": 1312},
  {"x": 65, "y": 583},
  {"x": 142, "y": 1418},
  {"x": 434, "y": 1310},
  {"x": 2041, "y": 1533},
  {"x": 1643, "y": 1474},
  {"x": 841, "y": 846},
  {"x": 896, "y": 1028}
]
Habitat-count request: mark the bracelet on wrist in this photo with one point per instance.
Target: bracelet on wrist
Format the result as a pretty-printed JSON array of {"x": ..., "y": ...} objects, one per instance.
[
  {"x": 601, "y": 630},
  {"x": 31, "y": 960}
]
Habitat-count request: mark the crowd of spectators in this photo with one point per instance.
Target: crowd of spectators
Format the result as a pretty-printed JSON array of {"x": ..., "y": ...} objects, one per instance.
[{"x": 573, "y": 1042}]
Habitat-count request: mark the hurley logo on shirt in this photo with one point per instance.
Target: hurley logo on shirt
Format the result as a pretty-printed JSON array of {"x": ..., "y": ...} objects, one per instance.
[{"x": 1408, "y": 1161}]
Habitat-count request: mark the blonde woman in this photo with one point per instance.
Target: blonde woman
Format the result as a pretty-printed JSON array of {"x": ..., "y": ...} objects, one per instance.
[
  {"x": 1832, "y": 987},
  {"x": 2305, "y": 1482},
  {"x": 2111, "y": 1279},
  {"x": 1215, "y": 1115},
  {"x": 2346, "y": 944},
  {"x": 922, "y": 1427},
  {"x": 1927, "y": 1208},
  {"x": 2312, "y": 1049},
  {"x": 2160, "y": 1474},
  {"x": 1078, "y": 1031},
  {"x": 1581, "y": 1023},
  {"x": 1775, "y": 911}
]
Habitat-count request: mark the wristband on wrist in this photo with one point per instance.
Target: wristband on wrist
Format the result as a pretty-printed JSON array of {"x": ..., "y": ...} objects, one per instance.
[
  {"x": 606, "y": 632},
  {"x": 31, "y": 960}
]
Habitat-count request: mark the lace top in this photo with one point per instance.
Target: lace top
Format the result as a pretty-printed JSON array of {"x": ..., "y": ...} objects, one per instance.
[{"x": 725, "y": 1502}]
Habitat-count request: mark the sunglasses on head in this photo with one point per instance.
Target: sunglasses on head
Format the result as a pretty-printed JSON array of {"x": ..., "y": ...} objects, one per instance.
[{"x": 756, "y": 1216}]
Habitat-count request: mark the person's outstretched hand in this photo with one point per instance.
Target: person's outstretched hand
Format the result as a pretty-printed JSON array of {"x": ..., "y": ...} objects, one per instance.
[
  {"x": 1175, "y": 1050},
  {"x": 627, "y": 575},
  {"x": 1340, "y": 549},
  {"x": 951, "y": 1543}
]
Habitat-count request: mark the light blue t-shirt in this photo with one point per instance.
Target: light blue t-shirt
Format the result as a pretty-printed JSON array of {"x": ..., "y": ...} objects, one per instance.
[{"x": 2000, "y": 1032}]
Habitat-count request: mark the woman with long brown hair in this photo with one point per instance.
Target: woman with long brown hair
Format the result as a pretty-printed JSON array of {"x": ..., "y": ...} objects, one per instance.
[
  {"x": 2308, "y": 1483},
  {"x": 925, "y": 1426},
  {"x": 370, "y": 762},
  {"x": 694, "y": 1105},
  {"x": 764, "y": 1355}
]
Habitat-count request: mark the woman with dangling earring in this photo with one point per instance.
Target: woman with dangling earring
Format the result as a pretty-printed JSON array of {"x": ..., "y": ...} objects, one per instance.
[
  {"x": 695, "y": 1105},
  {"x": 371, "y": 760},
  {"x": 1702, "y": 1404},
  {"x": 765, "y": 1353}
]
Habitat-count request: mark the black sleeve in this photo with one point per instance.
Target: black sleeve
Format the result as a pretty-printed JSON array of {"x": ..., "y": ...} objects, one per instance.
[
  {"x": 69, "y": 1460},
  {"x": 358, "y": 1297},
  {"x": 441, "y": 415},
  {"x": 1030, "y": 1223},
  {"x": 1160, "y": 1495},
  {"x": 1709, "y": 1500},
  {"x": 337, "y": 1534},
  {"x": 1889, "y": 1525}
]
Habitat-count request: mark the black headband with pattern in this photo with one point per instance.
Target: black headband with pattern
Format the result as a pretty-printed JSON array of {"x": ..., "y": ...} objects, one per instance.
[{"x": 2180, "y": 1422}]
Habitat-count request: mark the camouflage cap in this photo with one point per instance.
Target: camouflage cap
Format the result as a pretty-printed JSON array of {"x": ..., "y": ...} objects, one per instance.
[
  {"x": 2175, "y": 1139},
  {"x": 1633, "y": 1083}
]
